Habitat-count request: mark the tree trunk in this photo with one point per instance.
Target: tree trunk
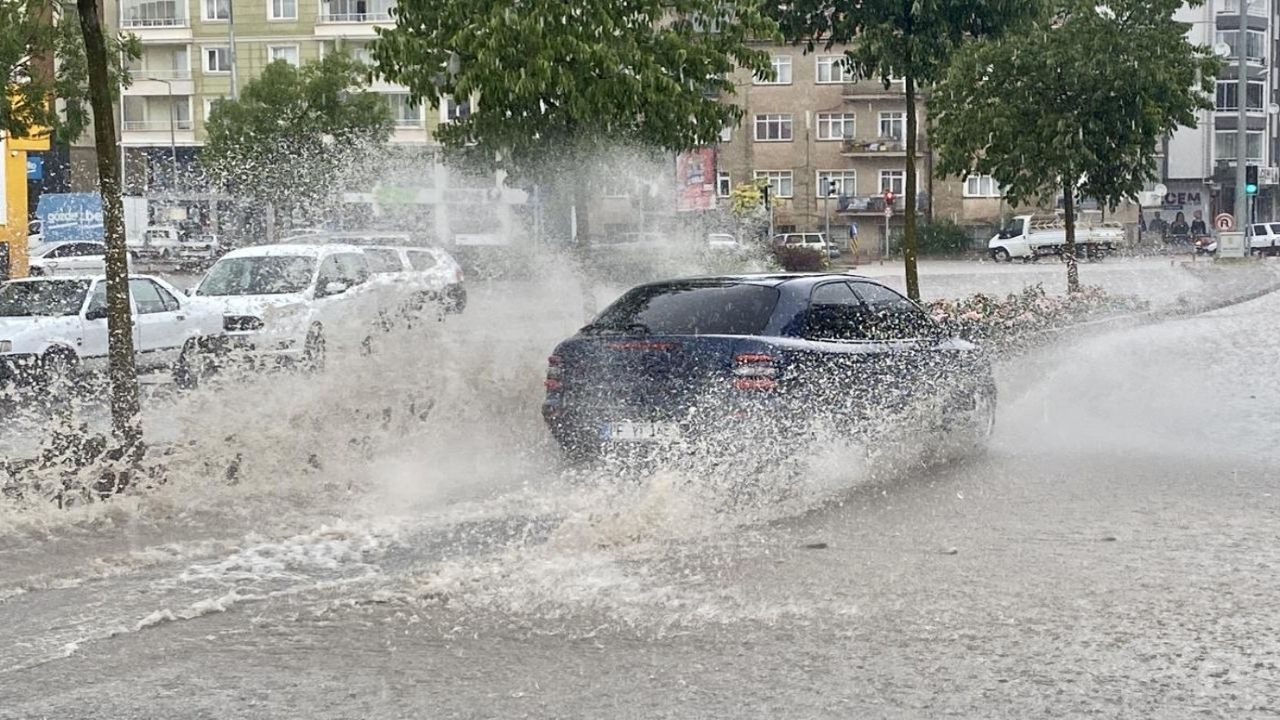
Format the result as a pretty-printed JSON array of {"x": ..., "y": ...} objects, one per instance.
[
  {"x": 909, "y": 217},
  {"x": 126, "y": 419},
  {"x": 1069, "y": 244},
  {"x": 581, "y": 209}
]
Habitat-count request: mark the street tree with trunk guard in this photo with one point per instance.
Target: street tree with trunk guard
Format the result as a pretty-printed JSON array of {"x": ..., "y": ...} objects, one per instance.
[
  {"x": 907, "y": 40},
  {"x": 1076, "y": 105},
  {"x": 559, "y": 83}
]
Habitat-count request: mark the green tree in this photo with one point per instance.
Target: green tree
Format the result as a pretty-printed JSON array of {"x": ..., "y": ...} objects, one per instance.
[
  {"x": 912, "y": 40},
  {"x": 1075, "y": 106},
  {"x": 559, "y": 83},
  {"x": 35, "y": 33},
  {"x": 293, "y": 132}
]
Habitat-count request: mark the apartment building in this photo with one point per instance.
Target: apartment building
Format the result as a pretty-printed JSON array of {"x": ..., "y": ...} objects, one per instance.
[
  {"x": 1199, "y": 164},
  {"x": 188, "y": 65},
  {"x": 828, "y": 145}
]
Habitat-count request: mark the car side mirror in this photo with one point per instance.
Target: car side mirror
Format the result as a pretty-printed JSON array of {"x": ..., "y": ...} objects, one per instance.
[
  {"x": 333, "y": 287},
  {"x": 97, "y": 312}
]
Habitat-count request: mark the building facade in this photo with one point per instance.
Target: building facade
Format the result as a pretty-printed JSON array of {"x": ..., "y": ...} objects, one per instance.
[
  {"x": 1199, "y": 166},
  {"x": 188, "y": 65}
]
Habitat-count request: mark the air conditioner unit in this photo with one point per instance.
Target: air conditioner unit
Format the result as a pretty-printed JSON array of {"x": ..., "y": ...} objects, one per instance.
[{"x": 1269, "y": 175}]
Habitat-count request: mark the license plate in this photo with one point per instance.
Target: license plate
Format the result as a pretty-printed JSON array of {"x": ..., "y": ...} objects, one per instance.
[{"x": 639, "y": 432}]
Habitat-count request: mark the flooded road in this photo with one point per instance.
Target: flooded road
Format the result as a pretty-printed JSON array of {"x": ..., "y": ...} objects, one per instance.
[{"x": 1113, "y": 554}]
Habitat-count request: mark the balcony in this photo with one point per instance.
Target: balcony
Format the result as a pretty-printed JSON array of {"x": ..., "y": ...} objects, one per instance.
[
  {"x": 871, "y": 90},
  {"x": 170, "y": 81},
  {"x": 157, "y": 125},
  {"x": 133, "y": 23},
  {"x": 877, "y": 147},
  {"x": 874, "y": 204},
  {"x": 351, "y": 18}
]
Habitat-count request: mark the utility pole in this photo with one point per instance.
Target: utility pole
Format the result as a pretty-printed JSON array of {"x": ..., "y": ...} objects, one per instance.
[
  {"x": 231, "y": 47},
  {"x": 1242, "y": 136}
]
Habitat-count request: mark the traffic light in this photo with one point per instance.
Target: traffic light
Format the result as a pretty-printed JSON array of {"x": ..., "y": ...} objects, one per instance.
[{"x": 1251, "y": 179}]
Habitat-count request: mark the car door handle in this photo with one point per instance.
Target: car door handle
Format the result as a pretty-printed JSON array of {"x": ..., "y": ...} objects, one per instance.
[{"x": 180, "y": 318}]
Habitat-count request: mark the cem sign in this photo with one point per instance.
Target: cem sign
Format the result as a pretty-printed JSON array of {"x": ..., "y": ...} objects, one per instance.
[{"x": 1179, "y": 200}]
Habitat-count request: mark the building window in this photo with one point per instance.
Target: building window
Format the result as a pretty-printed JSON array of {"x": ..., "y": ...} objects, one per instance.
[
  {"x": 182, "y": 113},
  {"x": 613, "y": 186},
  {"x": 287, "y": 53},
  {"x": 1227, "y": 97},
  {"x": 403, "y": 111},
  {"x": 893, "y": 125},
  {"x": 894, "y": 181},
  {"x": 833, "y": 69},
  {"x": 726, "y": 133},
  {"x": 217, "y": 60},
  {"x": 363, "y": 54},
  {"x": 773, "y": 128},
  {"x": 981, "y": 186},
  {"x": 209, "y": 104},
  {"x": 216, "y": 9},
  {"x": 781, "y": 71},
  {"x": 1255, "y": 48},
  {"x": 837, "y": 182},
  {"x": 1225, "y": 145},
  {"x": 779, "y": 182},
  {"x": 282, "y": 9},
  {"x": 836, "y": 126},
  {"x": 453, "y": 111},
  {"x": 724, "y": 185}
]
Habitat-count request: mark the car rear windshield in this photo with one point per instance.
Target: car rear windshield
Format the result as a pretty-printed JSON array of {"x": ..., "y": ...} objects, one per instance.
[
  {"x": 44, "y": 298},
  {"x": 383, "y": 260},
  {"x": 259, "y": 275},
  {"x": 689, "y": 309}
]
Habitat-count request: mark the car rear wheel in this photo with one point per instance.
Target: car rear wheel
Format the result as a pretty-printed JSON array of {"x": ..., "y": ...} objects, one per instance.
[
  {"x": 187, "y": 371},
  {"x": 313, "y": 350}
]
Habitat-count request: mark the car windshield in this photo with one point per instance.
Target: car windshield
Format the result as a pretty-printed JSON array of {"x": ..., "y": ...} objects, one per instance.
[
  {"x": 259, "y": 275},
  {"x": 48, "y": 298},
  {"x": 689, "y": 308}
]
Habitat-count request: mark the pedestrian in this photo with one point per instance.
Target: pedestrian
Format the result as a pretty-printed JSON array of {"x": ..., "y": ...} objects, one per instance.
[
  {"x": 1158, "y": 225},
  {"x": 1179, "y": 231},
  {"x": 1198, "y": 228}
]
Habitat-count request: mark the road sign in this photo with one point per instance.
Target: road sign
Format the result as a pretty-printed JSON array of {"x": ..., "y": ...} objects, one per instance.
[
  {"x": 888, "y": 211},
  {"x": 1224, "y": 222},
  {"x": 35, "y": 167},
  {"x": 888, "y": 197}
]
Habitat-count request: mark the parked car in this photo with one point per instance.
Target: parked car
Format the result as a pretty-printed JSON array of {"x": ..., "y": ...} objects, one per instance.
[
  {"x": 815, "y": 241},
  {"x": 73, "y": 257},
  {"x": 1264, "y": 238},
  {"x": 758, "y": 359},
  {"x": 54, "y": 330},
  {"x": 157, "y": 242},
  {"x": 291, "y": 303},
  {"x": 433, "y": 275}
]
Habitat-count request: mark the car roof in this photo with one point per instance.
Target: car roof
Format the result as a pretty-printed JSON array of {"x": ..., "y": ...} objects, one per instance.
[
  {"x": 766, "y": 279},
  {"x": 292, "y": 250}
]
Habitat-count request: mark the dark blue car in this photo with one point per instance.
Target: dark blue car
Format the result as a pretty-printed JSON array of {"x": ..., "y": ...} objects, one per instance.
[{"x": 758, "y": 359}]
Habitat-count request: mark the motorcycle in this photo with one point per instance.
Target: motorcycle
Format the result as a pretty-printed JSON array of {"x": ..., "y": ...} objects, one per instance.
[{"x": 1205, "y": 245}]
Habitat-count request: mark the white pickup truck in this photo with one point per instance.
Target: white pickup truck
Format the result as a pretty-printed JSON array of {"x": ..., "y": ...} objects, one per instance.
[{"x": 1031, "y": 237}]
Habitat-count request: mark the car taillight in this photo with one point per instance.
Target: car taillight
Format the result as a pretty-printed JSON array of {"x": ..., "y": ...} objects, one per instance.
[
  {"x": 554, "y": 371},
  {"x": 754, "y": 371}
]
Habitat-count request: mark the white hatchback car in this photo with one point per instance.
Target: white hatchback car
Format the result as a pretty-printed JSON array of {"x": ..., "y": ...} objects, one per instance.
[
  {"x": 293, "y": 302},
  {"x": 54, "y": 329}
]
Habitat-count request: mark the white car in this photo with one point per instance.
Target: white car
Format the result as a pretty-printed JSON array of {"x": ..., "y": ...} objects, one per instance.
[
  {"x": 1264, "y": 238},
  {"x": 55, "y": 329},
  {"x": 814, "y": 241},
  {"x": 291, "y": 303},
  {"x": 73, "y": 257},
  {"x": 432, "y": 275}
]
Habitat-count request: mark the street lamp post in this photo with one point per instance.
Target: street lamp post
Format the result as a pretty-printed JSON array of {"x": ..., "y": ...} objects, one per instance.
[
  {"x": 826, "y": 205},
  {"x": 231, "y": 48}
]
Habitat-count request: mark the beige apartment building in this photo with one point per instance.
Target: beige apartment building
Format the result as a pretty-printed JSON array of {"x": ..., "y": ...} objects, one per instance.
[{"x": 829, "y": 145}]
